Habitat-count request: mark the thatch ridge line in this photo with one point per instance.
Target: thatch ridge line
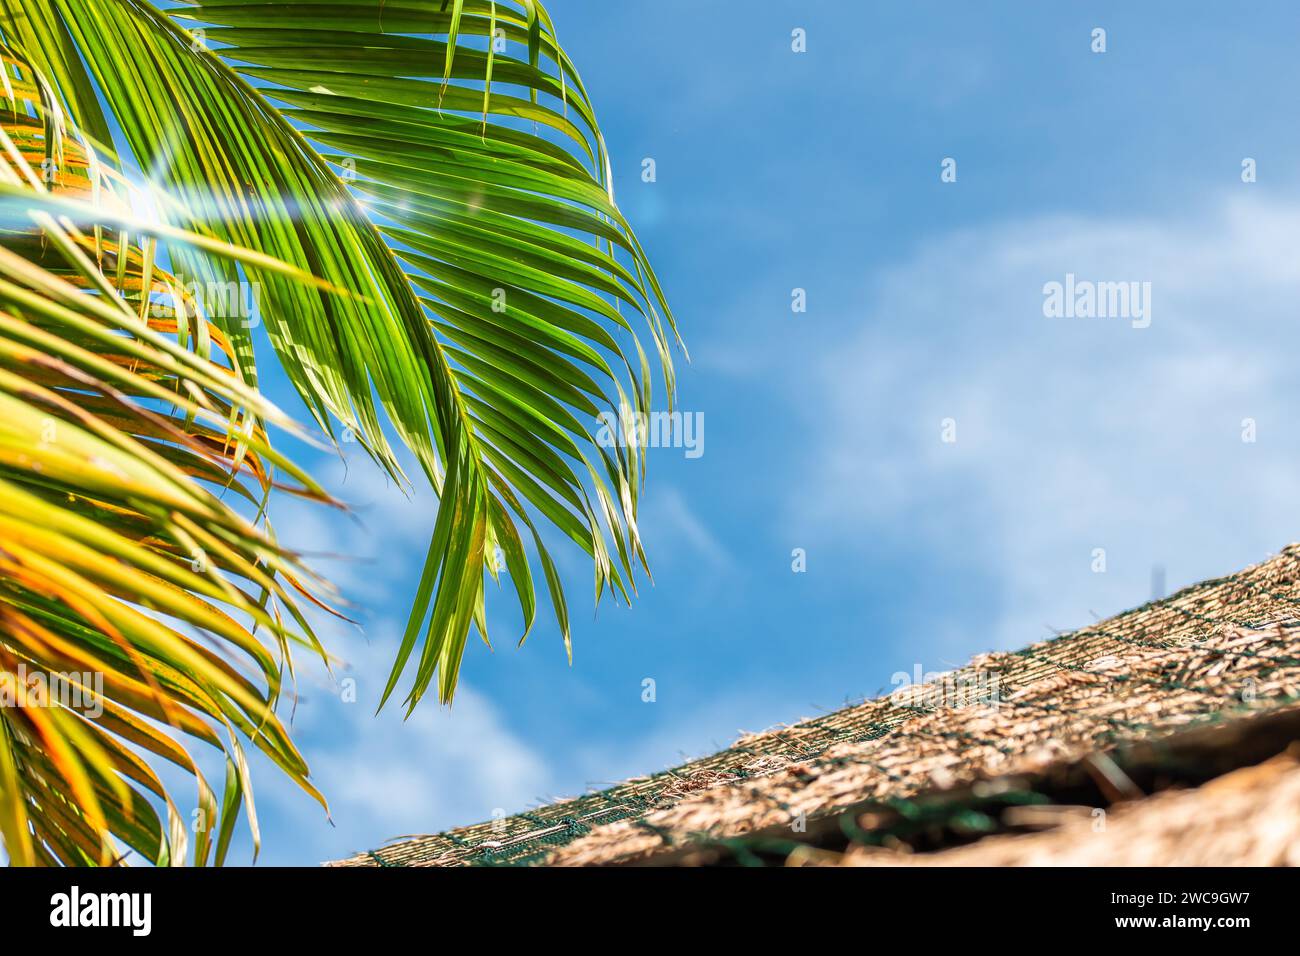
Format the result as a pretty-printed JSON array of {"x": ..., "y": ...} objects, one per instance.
[{"x": 1165, "y": 659}]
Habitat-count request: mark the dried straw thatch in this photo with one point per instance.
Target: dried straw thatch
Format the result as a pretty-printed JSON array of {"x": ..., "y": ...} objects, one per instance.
[
  {"x": 1249, "y": 817},
  {"x": 1003, "y": 731}
]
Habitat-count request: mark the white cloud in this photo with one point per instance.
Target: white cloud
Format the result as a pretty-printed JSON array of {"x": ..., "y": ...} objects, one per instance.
[
  {"x": 386, "y": 777},
  {"x": 670, "y": 523},
  {"x": 383, "y": 776},
  {"x": 375, "y": 547},
  {"x": 440, "y": 768},
  {"x": 1073, "y": 434}
]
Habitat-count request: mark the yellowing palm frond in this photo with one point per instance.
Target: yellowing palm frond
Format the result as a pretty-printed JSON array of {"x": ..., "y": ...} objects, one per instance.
[
  {"x": 117, "y": 556},
  {"x": 422, "y": 194}
]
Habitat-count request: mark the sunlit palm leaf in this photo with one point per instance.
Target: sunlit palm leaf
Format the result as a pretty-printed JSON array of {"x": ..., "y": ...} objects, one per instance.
[
  {"x": 437, "y": 165},
  {"x": 486, "y": 189}
]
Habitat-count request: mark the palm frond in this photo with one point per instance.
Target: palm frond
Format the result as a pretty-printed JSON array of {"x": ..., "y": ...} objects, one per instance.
[
  {"x": 467, "y": 135},
  {"x": 123, "y": 418},
  {"x": 499, "y": 338},
  {"x": 497, "y": 395}
]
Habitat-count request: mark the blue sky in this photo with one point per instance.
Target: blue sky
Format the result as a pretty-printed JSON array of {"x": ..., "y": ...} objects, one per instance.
[{"x": 820, "y": 170}]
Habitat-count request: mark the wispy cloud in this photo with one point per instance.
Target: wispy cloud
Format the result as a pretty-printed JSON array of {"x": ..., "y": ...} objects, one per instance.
[
  {"x": 386, "y": 776},
  {"x": 1073, "y": 434},
  {"x": 678, "y": 534},
  {"x": 367, "y": 551}
]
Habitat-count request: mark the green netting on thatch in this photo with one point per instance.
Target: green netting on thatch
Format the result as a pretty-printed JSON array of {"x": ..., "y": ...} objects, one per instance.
[{"x": 1218, "y": 650}]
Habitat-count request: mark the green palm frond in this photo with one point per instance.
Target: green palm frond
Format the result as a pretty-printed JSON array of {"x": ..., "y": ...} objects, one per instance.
[
  {"x": 421, "y": 193},
  {"x": 118, "y": 558},
  {"x": 490, "y": 266},
  {"x": 512, "y": 240}
]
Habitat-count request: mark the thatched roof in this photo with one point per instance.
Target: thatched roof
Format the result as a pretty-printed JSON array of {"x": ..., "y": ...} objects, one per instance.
[
  {"x": 908, "y": 777},
  {"x": 1245, "y": 818}
]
